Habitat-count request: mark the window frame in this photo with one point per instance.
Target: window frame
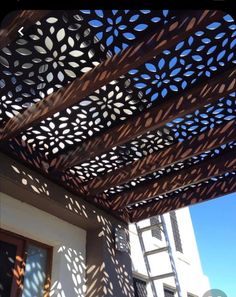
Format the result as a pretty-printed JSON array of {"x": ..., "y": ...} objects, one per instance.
[
  {"x": 176, "y": 232},
  {"x": 24, "y": 242},
  {"x": 170, "y": 289}
]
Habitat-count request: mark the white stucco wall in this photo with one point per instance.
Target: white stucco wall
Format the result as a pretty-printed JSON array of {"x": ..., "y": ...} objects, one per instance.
[
  {"x": 188, "y": 264},
  {"x": 68, "y": 242}
]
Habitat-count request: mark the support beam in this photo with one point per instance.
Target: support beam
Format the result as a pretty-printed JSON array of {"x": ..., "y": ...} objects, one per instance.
[
  {"x": 197, "y": 97},
  {"x": 132, "y": 57},
  {"x": 25, "y": 19},
  {"x": 192, "y": 196},
  {"x": 179, "y": 152},
  {"x": 171, "y": 182}
]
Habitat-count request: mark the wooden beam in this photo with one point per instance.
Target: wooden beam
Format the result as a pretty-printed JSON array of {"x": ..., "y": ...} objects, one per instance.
[
  {"x": 197, "y": 97},
  {"x": 189, "y": 197},
  {"x": 171, "y": 182},
  {"x": 170, "y": 155},
  {"x": 111, "y": 69},
  {"x": 25, "y": 19}
]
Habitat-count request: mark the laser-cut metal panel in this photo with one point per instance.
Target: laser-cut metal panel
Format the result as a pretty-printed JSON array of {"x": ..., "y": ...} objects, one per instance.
[{"x": 66, "y": 44}]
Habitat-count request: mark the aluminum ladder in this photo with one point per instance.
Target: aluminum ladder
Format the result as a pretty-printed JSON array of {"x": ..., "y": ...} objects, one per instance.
[{"x": 162, "y": 226}]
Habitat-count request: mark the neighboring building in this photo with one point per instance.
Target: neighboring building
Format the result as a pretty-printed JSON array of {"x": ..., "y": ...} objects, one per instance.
[{"x": 184, "y": 248}]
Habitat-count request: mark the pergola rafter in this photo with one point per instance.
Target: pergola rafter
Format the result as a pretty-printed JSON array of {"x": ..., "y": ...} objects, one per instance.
[
  {"x": 199, "y": 96},
  {"x": 174, "y": 181},
  {"x": 191, "y": 196}
]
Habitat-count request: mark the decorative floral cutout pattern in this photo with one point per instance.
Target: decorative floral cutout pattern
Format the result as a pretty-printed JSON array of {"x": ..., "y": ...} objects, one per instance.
[
  {"x": 50, "y": 55},
  {"x": 201, "y": 55},
  {"x": 104, "y": 108},
  {"x": 124, "y": 155},
  {"x": 173, "y": 168},
  {"x": 185, "y": 128},
  {"x": 60, "y": 48},
  {"x": 117, "y": 29},
  {"x": 181, "y": 190}
]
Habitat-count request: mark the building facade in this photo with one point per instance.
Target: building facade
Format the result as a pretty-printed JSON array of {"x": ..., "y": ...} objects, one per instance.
[{"x": 192, "y": 281}]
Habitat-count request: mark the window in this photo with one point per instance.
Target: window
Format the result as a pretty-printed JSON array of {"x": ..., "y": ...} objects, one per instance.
[
  {"x": 168, "y": 292},
  {"x": 24, "y": 266},
  {"x": 157, "y": 231},
  {"x": 175, "y": 229},
  {"x": 140, "y": 289}
]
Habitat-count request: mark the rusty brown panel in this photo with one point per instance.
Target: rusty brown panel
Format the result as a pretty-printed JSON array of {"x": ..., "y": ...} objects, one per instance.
[
  {"x": 166, "y": 157},
  {"x": 24, "y": 18},
  {"x": 111, "y": 69},
  {"x": 197, "y": 97},
  {"x": 192, "y": 196},
  {"x": 174, "y": 181}
]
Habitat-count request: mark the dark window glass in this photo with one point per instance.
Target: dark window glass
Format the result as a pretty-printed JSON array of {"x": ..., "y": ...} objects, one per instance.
[
  {"x": 175, "y": 229},
  {"x": 140, "y": 289},
  {"x": 7, "y": 263},
  {"x": 24, "y": 267},
  {"x": 157, "y": 231},
  {"x": 168, "y": 293}
]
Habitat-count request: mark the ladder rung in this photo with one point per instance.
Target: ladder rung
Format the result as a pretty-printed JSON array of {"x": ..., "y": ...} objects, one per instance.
[
  {"x": 151, "y": 227},
  {"x": 159, "y": 250},
  {"x": 161, "y": 276}
]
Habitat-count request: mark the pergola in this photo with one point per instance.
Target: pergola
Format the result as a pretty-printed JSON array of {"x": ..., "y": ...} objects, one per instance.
[{"x": 133, "y": 111}]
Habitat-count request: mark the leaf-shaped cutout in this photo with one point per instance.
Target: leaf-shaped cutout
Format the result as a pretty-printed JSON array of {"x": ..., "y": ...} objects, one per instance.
[
  {"x": 76, "y": 53},
  {"x": 164, "y": 92},
  {"x": 71, "y": 41},
  {"x": 172, "y": 62},
  {"x": 129, "y": 35},
  {"x": 21, "y": 41},
  {"x": 109, "y": 40},
  {"x": 134, "y": 18},
  {"x": 95, "y": 23},
  {"x": 44, "y": 128},
  {"x": 85, "y": 69},
  {"x": 128, "y": 111},
  {"x": 85, "y": 103},
  {"x": 60, "y": 76},
  {"x": 70, "y": 73},
  {"x": 73, "y": 64},
  {"x": 43, "y": 68},
  {"x": 141, "y": 27},
  {"x": 40, "y": 49},
  {"x": 197, "y": 58},
  {"x": 55, "y": 150},
  {"x": 150, "y": 67},
  {"x": 49, "y": 43},
  {"x": 221, "y": 55},
  {"x": 29, "y": 82},
  {"x": 213, "y": 25},
  {"x": 27, "y": 65},
  {"x": 99, "y": 13},
  {"x": 51, "y": 20},
  {"x": 140, "y": 85},
  {"x": 161, "y": 63},
  {"x": 175, "y": 71},
  {"x": 155, "y": 19},
  {"x": 61, "y": 34},
  {"x": 50, "y": 77},
  {"x": 174, "y": 88},
  {"x": 23, "y": 51},
  {"x": 4, "y": 62}
]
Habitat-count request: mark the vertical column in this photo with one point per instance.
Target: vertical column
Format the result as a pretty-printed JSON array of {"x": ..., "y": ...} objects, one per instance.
[{"x": 109, "y": 272}]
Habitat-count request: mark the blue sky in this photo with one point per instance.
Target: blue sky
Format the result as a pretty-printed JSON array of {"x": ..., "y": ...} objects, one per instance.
[{"x": 215, "y": 229}]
